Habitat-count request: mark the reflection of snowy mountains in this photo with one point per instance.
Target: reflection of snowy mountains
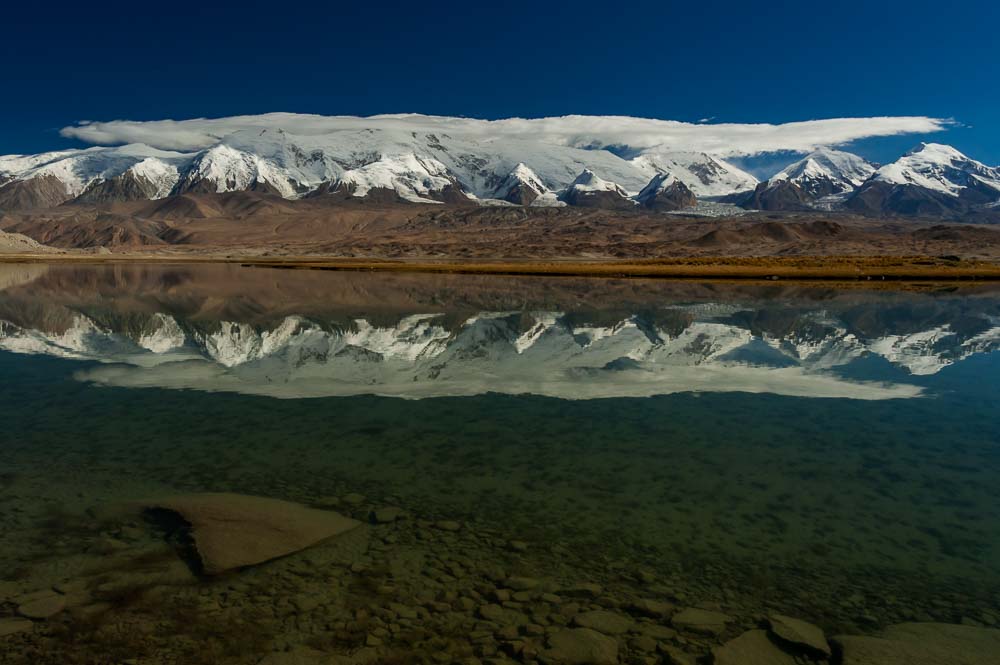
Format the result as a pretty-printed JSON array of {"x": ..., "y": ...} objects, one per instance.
[{"x": 551, "y": 353}]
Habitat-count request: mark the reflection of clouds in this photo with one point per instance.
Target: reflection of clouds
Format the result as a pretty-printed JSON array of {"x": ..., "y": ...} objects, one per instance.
[{"x": 641, "y": 381}]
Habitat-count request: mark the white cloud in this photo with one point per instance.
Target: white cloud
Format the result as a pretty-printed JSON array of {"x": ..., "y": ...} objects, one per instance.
[{"x": 642, "y": 134}]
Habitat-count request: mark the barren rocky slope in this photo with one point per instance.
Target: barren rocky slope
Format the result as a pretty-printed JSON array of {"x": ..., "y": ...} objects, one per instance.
[{"x": 255, "y": 223}]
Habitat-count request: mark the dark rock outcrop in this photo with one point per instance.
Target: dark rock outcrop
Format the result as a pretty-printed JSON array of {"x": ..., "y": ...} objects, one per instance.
[
  {"x": 666, "y": 193},
  {"x": 521, "y": 186},
  {"x": 590, "y": 191},
  {"x": 881, "y": 198},
  {"x": 779, "y": 196}
]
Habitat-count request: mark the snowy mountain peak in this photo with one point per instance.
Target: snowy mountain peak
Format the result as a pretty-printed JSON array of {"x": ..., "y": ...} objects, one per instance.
[
  {"x": 824, "y": 172},
  {"x": 77, "y": 169},
  {"x": 936, "y": 151},
  {"x": 412, "y": 178},
  {"x": 524, "y": 174},
  {"x": 659, "y": 182},
  {"x": 666, "y": 192},
  {"x": 223, "y": 168},
  {"x": 521, "y": 186},
  {"x": 588, "y": 181},
  {"x": 591, "y": 191},
  {"x": 939, "y": 168},
  {"x": 705, "y": 175}
]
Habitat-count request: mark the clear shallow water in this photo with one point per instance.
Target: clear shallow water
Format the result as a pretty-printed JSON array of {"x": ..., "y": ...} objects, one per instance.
[{"x": 829, "y": 454}]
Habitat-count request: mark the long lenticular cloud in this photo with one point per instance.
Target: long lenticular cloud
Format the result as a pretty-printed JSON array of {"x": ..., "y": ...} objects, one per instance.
[{"x": 728, "y": 139}]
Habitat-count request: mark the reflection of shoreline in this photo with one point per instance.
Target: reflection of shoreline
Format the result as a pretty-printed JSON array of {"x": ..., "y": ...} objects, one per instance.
[
  {"x": 853, "y": 270},
  {"x": 259, "y": 296},
  {"x": 20, "y": 274}
]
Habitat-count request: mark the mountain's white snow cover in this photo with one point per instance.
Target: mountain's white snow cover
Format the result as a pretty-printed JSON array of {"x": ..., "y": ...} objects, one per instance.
[
  {"x": 660, "y": 182},
  {"x": 704, "y": 175},
  {"x": 939, "y": 168},
  {"x": 588, "y": 181},
  {"x": 843, "y": 170},
  {"x": 656, "y": 186},
  {"x": 225, "y": 169},
  {"x": 497, "y": 352},
  {"x": 161, "y": 174},
  {"x": 296, "y": 153},
  {"x": 411, "y": 177},
  {"x": 524, "y": 179},
  {"x": 77, "y": 169},
  {"x": 521, "y": 176},
  {"x": 411, "y": 164}
]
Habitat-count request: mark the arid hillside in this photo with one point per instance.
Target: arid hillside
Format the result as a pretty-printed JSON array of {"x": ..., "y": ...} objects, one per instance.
[{"x": 255, "y": 223}]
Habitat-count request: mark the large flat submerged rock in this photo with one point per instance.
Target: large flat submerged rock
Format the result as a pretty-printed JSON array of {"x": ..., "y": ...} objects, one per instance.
[
  {"x": 922, "y": 644},
  {"x": 231, "y": 531}
]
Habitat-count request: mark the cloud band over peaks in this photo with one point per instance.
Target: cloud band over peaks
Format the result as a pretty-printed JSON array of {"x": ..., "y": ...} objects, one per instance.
[{"x": 641, "y": 134}]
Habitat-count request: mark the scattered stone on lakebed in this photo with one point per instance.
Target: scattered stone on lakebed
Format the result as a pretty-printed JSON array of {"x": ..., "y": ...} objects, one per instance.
[{"x": 232, "y": 531}]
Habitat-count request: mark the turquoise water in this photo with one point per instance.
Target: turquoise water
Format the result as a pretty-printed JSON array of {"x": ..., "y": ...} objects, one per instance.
[{"x": 833, "y": 454}]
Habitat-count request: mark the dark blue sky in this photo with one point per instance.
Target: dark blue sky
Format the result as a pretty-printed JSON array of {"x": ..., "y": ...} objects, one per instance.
[{"x": 734, "y": 62}]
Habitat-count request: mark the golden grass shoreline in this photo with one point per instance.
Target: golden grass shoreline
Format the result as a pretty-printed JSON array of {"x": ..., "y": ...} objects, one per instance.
[{"x": 799, "y": 268}]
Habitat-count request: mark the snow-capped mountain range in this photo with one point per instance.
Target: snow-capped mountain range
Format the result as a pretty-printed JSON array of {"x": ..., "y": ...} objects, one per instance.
[
  {"x": 931, "y": 180},
  {"x": 544, "y": 352},
  {"x": 425, "y": 159},
  {"x": 416, "y": 167}
]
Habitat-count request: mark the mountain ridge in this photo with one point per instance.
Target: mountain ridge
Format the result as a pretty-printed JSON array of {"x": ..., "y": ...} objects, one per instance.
[
  {"x": 389, "y": 164},
  {"x": 931, "y": 180}
]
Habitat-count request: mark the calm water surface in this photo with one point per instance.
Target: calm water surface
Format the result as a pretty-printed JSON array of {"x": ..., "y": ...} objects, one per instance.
[{"x": 830, "y": 454}]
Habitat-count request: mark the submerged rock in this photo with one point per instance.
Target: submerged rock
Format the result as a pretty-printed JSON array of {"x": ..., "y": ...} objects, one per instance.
[
  {"x": 304, "y": 656},
  {"x": 603, "y": 621},
  {"x": 386, "y": 515},
  {"x": 705, "y": 622},
  {"x": 922, "y": 644},
  {"x": 13, "y": 626},
  {"x": 353, "y": 499},
  {"x": 799, "y": 633},
  {"x": 674, "y": 656},
  {"x": 753, "y": 647},
  {"x": 232, "y": 531},
  {"x": 651, "y": 608},
  {"x": 581, "y": 646},
  {"x": 585, "y": 590},
  {"x": 43, "y": 607},
  {"x": 521, "y": 583}
]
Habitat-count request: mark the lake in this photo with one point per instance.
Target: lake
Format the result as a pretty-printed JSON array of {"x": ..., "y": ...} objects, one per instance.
[{"x": 518, "y": 450}]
